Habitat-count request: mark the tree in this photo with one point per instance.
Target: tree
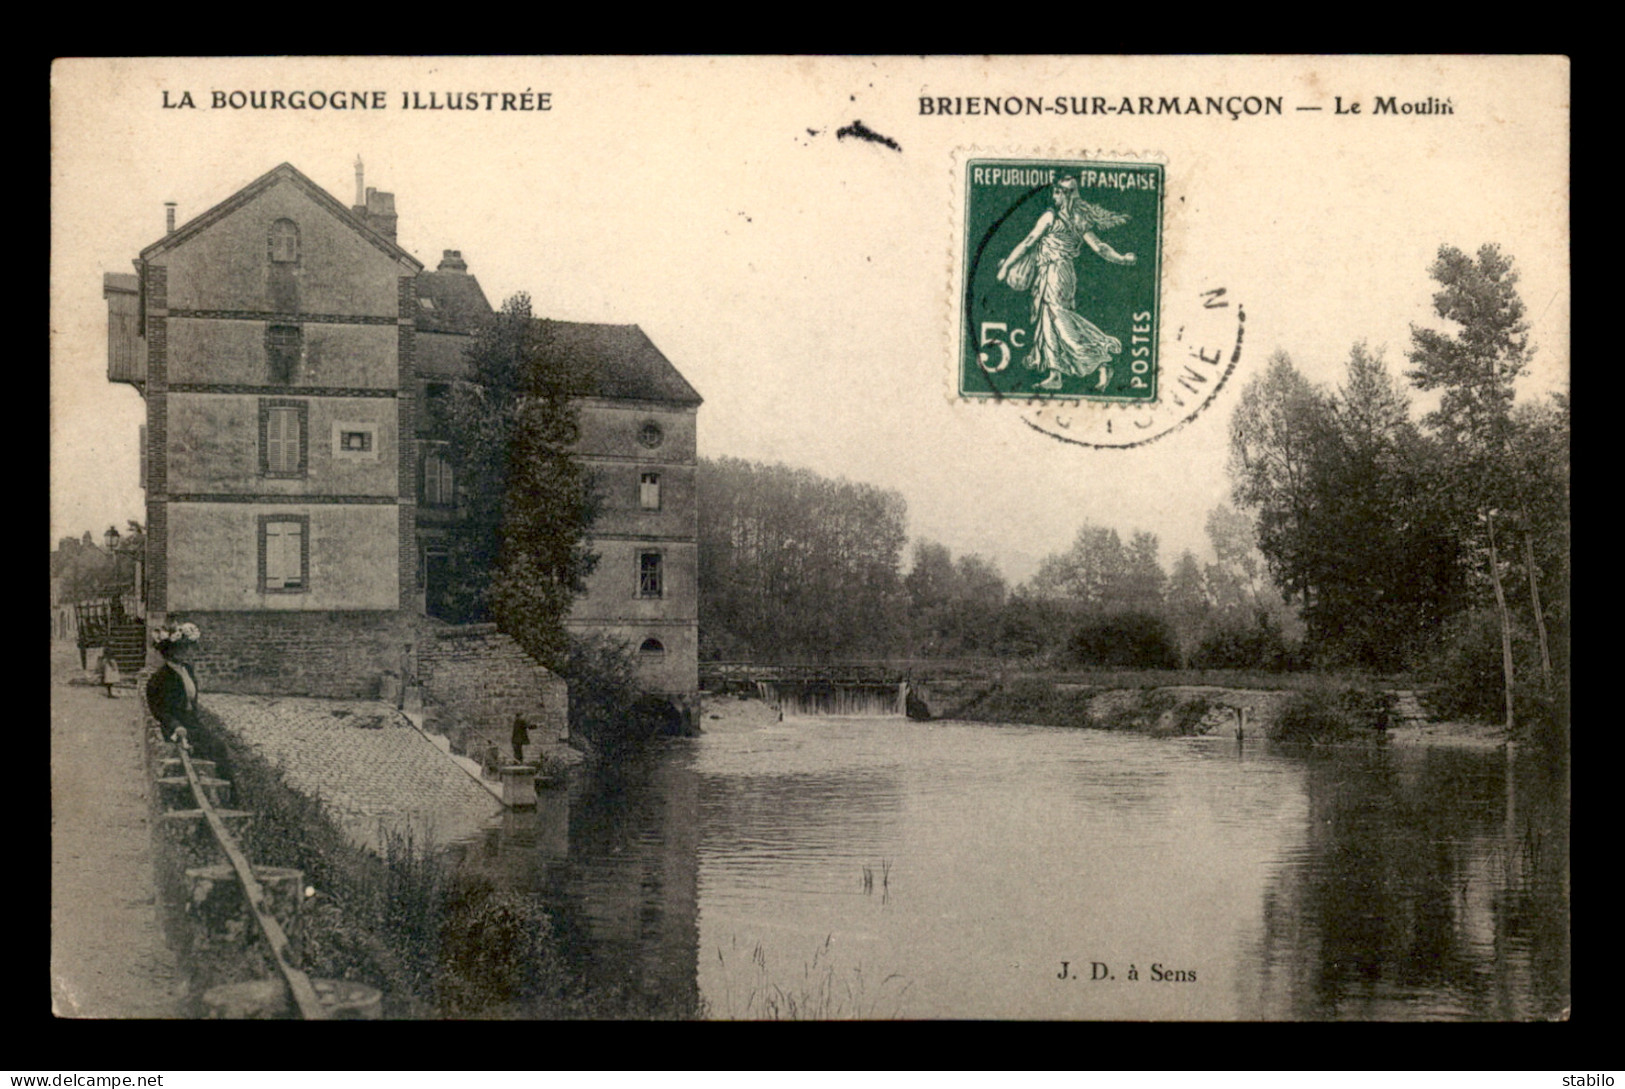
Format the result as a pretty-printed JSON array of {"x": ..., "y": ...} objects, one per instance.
[
  {"x": 1380, "y": 542},
  {"x": 793, "y": 564},
  {"x": 520, "y": 551},
  {"x": 1188, "y": 607},
  {"x": 1350, "y": 516},
  {"x": 1474, "y": 369},
  {"x": 1279, "y": 425},
  {"x": 1090, "y": 575}
]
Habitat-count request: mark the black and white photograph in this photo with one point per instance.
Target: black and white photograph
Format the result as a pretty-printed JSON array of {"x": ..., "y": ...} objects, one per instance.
[{"x": 1041, "y": 538}]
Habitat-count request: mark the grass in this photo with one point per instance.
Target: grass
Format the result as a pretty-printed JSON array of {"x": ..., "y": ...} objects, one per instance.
[
  {"x": 438, "y": 939},
  {"x": 818, "y": 993}
]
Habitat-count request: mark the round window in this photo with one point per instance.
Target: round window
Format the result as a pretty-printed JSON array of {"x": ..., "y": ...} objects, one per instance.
[{"x": 650, "y": 434}]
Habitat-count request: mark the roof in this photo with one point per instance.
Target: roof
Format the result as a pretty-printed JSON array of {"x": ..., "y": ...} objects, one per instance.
[
  {"x": 121, "y": 282},
  {"x": 281, "y": 173},
  {"x": 622, "y": 361},
  {"x": 451, "y": 302}
]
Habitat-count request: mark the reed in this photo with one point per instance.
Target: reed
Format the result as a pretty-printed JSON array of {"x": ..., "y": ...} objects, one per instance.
[{"x": 819, "y": 993}]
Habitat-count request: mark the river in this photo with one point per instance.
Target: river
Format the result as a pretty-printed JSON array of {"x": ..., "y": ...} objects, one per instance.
[{"x": 876, "y": 867}]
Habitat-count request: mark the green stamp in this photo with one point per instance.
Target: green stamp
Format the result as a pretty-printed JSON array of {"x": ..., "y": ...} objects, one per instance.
[{"x": 1061, "y": 280}]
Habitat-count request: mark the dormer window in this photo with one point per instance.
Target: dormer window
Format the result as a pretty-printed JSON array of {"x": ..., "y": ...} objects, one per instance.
[{"x": 284, "y": 242}]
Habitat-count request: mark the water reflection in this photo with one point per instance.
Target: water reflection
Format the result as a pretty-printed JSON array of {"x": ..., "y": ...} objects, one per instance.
[
  {"x": 1432, "y": 884},
  {"x": 819, "y": 856}
]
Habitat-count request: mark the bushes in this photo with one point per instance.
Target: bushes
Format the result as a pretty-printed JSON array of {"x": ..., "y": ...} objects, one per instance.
[
  {"x": 1234, "y": 647},
  {"x": 1468, "y": 682},
  {"x": 1327, "y": 714},
  {"x": 1133, "y": 640},
  {"x": 438, "y": 939}
]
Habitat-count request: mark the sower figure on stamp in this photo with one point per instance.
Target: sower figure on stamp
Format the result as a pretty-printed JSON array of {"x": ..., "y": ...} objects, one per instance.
[
  {"x": 172, "y": 691},
  {"x": 1064, "y": 342},
  {"x": 521, "y": 737}
]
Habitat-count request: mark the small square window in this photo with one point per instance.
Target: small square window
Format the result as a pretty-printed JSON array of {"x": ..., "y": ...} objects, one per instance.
[
  {"x": 649, "y": 575},
  {"x": 357, "y": 441},
  {"x": 649, "y": 491}
]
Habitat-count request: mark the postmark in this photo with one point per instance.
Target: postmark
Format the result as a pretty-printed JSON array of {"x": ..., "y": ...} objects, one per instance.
[{"x": 1061, "y": 309}]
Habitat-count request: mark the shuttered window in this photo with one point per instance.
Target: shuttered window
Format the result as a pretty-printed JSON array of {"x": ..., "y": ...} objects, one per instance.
[
  {"x": 284, "y": 553},
  {"x": 284, "y": 439},
  {"x": 649, "y": 491},
  {"x": 439, "y": 481}
]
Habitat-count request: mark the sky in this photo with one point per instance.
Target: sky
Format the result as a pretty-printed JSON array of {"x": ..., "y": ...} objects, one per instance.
[{"x": 802, "y": 281}]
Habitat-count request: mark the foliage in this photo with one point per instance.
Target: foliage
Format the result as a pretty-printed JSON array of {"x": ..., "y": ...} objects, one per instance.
[
  {"x": 1256, "y": 646},
  {"x": 1473, "y": 368},
  {"x": 1465, "y": 678},
  {"x": 794, "y": 565},
  {"x": 1326, "y": 714},
  {"x": 1098, "y": 575},
  {"x": 1135, "y": 640},
  {"x": 519, "y": 551},
  {"x": 1351, "y": 514},
  {"x": 437, "y": 937},
  {"x": 604, "y": 692},
  {"x": 953, "y": 606},
  {"x": 88, "y": 572}
]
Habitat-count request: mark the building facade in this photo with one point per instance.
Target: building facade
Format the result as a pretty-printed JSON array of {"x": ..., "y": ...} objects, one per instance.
[{"x": 290, "y": 354}]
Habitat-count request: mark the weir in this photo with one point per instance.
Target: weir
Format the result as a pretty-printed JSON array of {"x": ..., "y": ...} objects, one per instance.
[{"x": 795, "y": 697}]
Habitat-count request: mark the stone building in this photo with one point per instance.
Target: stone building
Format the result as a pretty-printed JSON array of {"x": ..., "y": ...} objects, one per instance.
[
  {"x": 637, "y": 437},
  {"x": 290, "y": 353}
]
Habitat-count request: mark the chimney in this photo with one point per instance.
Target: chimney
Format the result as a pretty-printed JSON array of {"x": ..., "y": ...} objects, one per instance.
[
  {"x": 381, "y": 213},
  {"x": 452, "y": 261},
  {"x": 169, "y": 217},
  {"x": 360, "y": 198}
]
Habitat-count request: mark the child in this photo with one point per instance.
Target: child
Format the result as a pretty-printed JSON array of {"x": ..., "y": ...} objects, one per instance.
[{"x": 110, "y": 672}]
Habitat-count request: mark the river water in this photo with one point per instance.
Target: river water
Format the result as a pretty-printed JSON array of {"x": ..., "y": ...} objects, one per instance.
[{"x": 876, "y": 867}]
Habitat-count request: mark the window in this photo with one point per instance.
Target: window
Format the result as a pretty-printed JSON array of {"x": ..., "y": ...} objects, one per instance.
[
  {"x": 652, "y": 648},
  {"x": 284, "y": 348},
  {"x": 439, "y": 480},
  {"x": 649, "y": 581},
  {"x": 284, "y": 444},
  {"x": 649, "y": 491},
  {"x": 355, "y": 440},
  {"x": 284, "y": 242},
  {"x": 284, "y": 553},
  {"x": 436, "y": 396}
]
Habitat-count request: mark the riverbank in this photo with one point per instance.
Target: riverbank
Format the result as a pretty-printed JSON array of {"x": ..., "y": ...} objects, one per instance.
[{"x": 1169, "y": 710}]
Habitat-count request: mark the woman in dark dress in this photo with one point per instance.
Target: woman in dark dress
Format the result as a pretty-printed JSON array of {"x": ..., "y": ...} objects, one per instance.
[{"x": 172, "y": 691}]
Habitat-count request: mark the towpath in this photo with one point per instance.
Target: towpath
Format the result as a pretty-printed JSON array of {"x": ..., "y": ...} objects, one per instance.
[{"x": 108, "y": 956}]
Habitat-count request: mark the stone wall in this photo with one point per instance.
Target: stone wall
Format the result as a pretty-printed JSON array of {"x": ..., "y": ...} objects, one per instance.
[
  {"x": 331, "y": 655},
  {"x": 482, "y": 679}
]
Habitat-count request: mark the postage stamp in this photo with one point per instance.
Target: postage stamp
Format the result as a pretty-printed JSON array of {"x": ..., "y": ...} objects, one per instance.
[{"x": 1061, "y": 279}]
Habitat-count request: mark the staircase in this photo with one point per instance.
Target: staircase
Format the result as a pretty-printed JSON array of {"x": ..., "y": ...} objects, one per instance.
[
  {"x": 128, "y": 643},
  {"x": 1408, "y": 710}
]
